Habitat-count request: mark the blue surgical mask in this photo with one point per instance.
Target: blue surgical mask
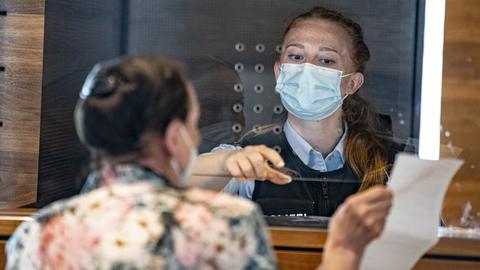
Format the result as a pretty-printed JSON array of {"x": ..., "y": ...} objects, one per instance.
[{"x": 310, "y": 92}]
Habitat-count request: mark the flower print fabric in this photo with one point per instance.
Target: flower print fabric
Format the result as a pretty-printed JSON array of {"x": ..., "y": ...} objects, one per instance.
[{"x": 143, "y": 225}]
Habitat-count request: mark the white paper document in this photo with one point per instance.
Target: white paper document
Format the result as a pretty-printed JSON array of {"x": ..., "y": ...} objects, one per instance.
[{"x": 419, "y": 187}]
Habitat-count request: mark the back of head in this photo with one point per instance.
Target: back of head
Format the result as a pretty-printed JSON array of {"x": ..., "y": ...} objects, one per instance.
[{"x": 124, "y": 98}]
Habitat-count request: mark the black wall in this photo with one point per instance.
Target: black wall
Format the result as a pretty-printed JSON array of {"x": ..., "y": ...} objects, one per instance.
[
  {"x": 78, "y": 34},
  {"x": 184, "y": 29}
]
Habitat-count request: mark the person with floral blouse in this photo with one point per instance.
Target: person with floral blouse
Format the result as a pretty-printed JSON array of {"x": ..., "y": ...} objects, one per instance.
[{"x": 140, "y": 115}]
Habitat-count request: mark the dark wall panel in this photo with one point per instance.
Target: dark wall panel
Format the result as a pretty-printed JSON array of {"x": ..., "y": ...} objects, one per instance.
[
  {"x": 186, "y": 29},
  {"x": 78, "y": 34}
]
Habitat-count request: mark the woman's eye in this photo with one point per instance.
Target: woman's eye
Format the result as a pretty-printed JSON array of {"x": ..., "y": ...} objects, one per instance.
[
  {"x": 295, "y": 57},
  {"x": 326, "y": 61}
]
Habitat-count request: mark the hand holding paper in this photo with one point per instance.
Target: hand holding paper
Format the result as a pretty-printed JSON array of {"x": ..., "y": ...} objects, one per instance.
[{"x": 419, "y": 187}]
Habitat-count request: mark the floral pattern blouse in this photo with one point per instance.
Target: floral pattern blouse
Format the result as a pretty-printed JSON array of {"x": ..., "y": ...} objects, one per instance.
[{"x": 143, "y": 224}]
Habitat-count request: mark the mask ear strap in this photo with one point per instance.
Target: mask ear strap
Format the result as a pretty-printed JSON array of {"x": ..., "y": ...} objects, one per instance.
[
  {"x": 346, "y": 75},
  {"x": 186, "y": 137},
  {"x": 176, "y": 168},
  {"x": 173, "y": 163},
  {"x": 343, "y": 76}
]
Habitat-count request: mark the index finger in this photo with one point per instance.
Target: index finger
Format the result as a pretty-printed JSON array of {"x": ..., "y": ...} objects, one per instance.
[
  {"x": 271, "y": 155},
  {"x": 277, "y": 177}
]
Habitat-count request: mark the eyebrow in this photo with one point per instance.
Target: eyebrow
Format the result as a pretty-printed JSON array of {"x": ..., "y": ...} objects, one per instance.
[
  {"x": 321, "y": 49},
  {"x": 295, "y": 45}
]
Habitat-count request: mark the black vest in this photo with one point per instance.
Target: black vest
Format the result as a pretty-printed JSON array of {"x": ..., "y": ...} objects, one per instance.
[{"x": 300, "y": 197}]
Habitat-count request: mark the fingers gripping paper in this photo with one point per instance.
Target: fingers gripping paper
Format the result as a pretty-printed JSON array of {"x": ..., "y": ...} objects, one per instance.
[{"x": 411, "y": 228}]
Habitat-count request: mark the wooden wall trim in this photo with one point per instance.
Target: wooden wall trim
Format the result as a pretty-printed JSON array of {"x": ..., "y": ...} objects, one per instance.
[
  {"x": 21, "y": 55},
  {"x": 23, "y": 6}
]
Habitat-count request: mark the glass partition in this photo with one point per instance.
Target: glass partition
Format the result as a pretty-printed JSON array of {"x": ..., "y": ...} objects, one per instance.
[{"x": 230, "y": 49}]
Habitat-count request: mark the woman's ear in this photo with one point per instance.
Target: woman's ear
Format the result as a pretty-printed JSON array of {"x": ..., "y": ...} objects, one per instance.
[
  {"x": 172, "y": 138},
  {"x": 276, "y": 69},
  {"x": 355, "y": 82}
]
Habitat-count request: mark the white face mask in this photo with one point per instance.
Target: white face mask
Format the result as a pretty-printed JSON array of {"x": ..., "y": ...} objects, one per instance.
[
  {"x": 310, "y": 92},
  {"x": 184, "y": 177}
]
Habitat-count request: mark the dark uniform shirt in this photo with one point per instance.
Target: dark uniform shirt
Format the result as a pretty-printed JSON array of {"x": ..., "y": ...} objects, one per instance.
[{"x": 320, "y": 197}]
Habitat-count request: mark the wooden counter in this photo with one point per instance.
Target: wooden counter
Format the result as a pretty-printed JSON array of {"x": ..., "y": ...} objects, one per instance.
[
  {"x": 301, "y": 248},
  {"x": 9, "y": 220}
]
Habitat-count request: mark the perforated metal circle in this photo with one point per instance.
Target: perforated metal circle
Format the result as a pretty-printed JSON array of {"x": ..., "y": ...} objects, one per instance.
[
  {"x": 277, "y": 148},
  {"x": 239, "y": 47},
  {"x": 237, "y": 128},
  {"x": 278, "y": 48},
  {"x": 258, "y": 88},
  {"x": 238, "y": 87},
  {"x": 257, "y": 108},
  {"x": 278, "y": 109},
  {"x": 259, "y": 68},
  {"x": 260, "y": 47},
  {"x": 237, "y": 107},
  {"x": 277, "y": 129},
  {"x": 239, "y": 67}
]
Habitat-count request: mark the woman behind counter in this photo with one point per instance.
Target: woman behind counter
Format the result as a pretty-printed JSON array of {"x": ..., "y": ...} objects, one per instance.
[
  {"x": 331, "y": 132},
  {"x": 140, "y": 115}
]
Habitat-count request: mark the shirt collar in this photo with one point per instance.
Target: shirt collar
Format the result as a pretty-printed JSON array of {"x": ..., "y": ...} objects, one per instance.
[{"x": 302, "y": 148}]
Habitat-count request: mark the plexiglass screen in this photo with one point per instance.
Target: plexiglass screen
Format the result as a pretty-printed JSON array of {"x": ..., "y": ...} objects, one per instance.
[
  {"x": 235, "y": 52},
  {"x": 230, "y": 50},
  {"x": 220, "y": 39}
]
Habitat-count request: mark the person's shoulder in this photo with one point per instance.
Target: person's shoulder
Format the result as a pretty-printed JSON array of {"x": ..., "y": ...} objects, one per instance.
[
  {"x": 166, "y": 201},
  {"x": 221, "y": 205},
  {"x": 98, "y": 204},
  {"x": 118, "y": 224},
  {"x": 144, "y": 196}
]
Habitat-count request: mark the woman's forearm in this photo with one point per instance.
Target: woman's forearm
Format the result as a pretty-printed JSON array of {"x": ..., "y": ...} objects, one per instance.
[
  {"x": 214, "y": 170},
  {"x": 340, "y": 259},
  {"x": 210, "y": 171}
]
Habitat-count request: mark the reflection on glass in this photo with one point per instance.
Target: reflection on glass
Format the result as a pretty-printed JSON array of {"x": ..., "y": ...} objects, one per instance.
[{"x": 221, "y": 100}]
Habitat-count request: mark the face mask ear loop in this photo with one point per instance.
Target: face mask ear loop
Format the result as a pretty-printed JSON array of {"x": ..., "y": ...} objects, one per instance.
[
  {"x": 343, "y": 76},
  {"x": 186, "y": 137},
  {"x": 176, "y": 168},
  {"x": 173, "y": 163},
  {"x": 346, "y": 75},
  {"x": 188, "y": 170}
]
